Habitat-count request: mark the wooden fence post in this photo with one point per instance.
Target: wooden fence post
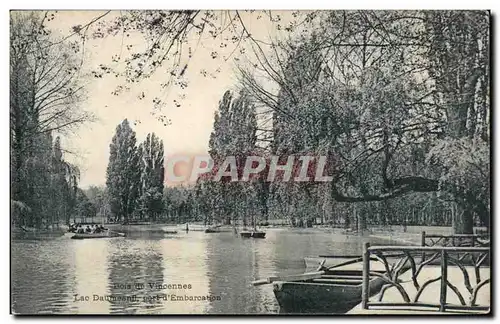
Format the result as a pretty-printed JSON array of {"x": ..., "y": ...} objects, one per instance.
[
  {"x": 444, "y": 280},
  {"x": 423, "y": 244},
  {"x": 365, "y": 291}
]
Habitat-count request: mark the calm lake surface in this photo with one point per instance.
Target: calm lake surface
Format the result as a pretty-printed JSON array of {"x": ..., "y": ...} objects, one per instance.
[{"x": 46, "y": 274}]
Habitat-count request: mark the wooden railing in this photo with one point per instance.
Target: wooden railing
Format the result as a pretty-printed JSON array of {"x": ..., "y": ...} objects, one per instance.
[
  {"x": 411, "y": 263},
  {"x": 480, "y": 240}
]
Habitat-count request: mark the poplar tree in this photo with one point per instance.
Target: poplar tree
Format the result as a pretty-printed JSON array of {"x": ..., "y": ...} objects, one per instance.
[
  {"x": 233, "y": 134},
  {"x": 152, "y": 176},
  {"x": 123, "y": 172}
]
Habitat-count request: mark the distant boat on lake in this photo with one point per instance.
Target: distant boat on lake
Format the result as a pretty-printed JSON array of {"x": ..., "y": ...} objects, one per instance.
[{"x": 254, "y": 232}]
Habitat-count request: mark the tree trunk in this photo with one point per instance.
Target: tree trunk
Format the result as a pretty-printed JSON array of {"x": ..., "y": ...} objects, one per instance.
[
  {"x": 462, "y": 220},
  {"x": 361, "y": 221}
]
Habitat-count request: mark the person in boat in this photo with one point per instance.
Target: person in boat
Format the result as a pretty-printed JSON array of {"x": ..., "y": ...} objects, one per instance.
[
  {"x": 88, "y": 230},
  {"x": 102, "y": 228},
  {"x": 80, "y": 229},
  {"x": 97, "y": 229}
]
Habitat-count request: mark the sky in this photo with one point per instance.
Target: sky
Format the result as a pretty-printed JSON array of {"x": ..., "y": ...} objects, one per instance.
[{"x": 191, "y": 123}]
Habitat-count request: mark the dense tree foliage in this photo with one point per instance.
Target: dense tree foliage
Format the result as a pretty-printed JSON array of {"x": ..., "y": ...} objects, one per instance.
[
  {"x": 234, "y": 134},
  {"x": 45, "y": 93},
  {"x": 152, "y": 176},
  {"x": 123, "y": 172},
  {"x": 399, "y": 100},
  {"x": 135, "y": 176}
]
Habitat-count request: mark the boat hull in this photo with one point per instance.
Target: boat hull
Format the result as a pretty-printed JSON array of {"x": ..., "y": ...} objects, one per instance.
[
  {"x": 336, "y": 292},
  {"x": 320, "y": 298},
  {"x": 246, "y": 234},
  {"x": 81, "y": 236}
]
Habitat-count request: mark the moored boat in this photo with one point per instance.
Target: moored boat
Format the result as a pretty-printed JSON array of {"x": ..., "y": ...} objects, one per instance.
[
  {"x": 333, "y": 290},
  {"x": 169, "y": 232},
  {"x": 253, "y": 234}
]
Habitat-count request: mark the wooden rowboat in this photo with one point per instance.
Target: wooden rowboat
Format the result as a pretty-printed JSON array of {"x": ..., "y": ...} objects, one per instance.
[
  {"x": 79, "y": 236},
  {"x": 219, "y": 229},
  {"x": 332, "y": 290},
  {"x": 253, "y": 234}
]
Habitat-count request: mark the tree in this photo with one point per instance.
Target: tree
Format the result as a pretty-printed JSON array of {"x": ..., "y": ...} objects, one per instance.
[
  {"x": 98, "y": 196},
  {"x": 84, "y": 207},
  {"x": 45, "y": 92},
  {"x": 179, "y": 205},
  {"x": 152, "y": 176},
  {"x": 172, "y": 38},
  {"x": 458, "y": 57},
  {"x": 234, "y": 134},
  {"x": 381, "y": 91},
  {"x": 386, "y": 87},
  {"x": 64, "y": 184},
  {"x": 123, "y": 172}
]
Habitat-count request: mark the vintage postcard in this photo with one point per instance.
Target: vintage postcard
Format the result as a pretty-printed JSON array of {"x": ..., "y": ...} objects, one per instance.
[{"x": 248, "y": 162}]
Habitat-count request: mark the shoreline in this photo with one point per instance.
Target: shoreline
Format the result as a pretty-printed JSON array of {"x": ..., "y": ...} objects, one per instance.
[{"x": 409, "y": 239}]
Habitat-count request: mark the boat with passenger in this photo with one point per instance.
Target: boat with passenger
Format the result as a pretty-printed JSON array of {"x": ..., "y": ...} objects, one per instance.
[
  {"x": 77, "y": 231},
  {"x": 104, "y": 234},
  {"x": 253, "y": 234}
]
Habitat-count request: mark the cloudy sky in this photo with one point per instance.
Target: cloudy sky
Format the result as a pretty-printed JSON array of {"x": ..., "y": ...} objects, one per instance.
[{"x": 191, "y": 123}]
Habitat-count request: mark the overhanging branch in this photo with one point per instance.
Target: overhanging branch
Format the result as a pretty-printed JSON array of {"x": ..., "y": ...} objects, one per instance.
[{"x": 399, "y": 187}]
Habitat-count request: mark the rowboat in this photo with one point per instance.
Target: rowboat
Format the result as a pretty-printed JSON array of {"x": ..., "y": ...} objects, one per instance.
[
  {"x": 105, "y": 234},
  {"x": 333, "y": 290},
  {"x": 253, "y": 234}
]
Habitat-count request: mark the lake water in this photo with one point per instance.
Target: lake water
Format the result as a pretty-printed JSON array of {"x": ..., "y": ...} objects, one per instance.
[{"x": 213, "y": 271}]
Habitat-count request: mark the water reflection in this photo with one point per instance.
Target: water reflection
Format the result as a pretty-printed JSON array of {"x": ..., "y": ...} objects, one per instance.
[
  {"x": 132, "y": 266},
  {"x": 90, "y": 276},
  {"x": 186, "y": 273},
  {"x": 41, "y": 277},
  {"x": 47, "y": 274},
  {"x": 230, "y": 269}
]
